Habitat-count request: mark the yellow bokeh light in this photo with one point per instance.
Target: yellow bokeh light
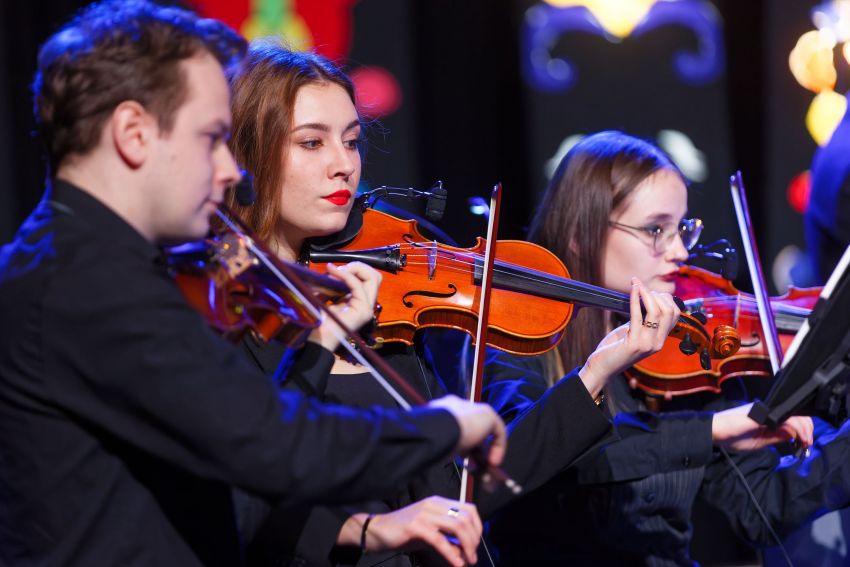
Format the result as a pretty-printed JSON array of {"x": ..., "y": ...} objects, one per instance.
[
  {"x": 824, "y": 114},
  {"x": 618, "y": 17},
  {"x": 811, "y": 61}
]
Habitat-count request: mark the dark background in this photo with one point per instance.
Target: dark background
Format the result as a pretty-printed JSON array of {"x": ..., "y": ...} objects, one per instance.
[{"x": 469, "y": 119}]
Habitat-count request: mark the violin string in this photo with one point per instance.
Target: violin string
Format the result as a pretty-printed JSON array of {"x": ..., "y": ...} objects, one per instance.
[
  {"x": 456, "y": 257},
  {"x": 790, "y": 310},
  {"x": 751, "y": 300},
  {"x": 552, "y": 281},
  {"x": 569, "y": 285}
]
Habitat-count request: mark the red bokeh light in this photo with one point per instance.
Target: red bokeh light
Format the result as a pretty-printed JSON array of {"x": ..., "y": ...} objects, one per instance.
[
  {"x": 798, "y": 192},
  {"x": 378, "y": 91}
]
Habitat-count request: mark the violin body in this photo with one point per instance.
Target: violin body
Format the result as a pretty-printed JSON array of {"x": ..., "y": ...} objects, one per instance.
[
  {"x": 667, "y": 374},
  {"x": 436, "y": 287},
  {"x": 227, "y": 284}
]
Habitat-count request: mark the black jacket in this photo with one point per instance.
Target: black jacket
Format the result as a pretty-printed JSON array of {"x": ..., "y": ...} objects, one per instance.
[
  {"x": 629, "y": 502},
  {"x": 124, "y": 419}
]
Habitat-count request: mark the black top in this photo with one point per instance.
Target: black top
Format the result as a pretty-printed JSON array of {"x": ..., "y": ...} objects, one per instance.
[
  {"x": 306, "y": 535},
  {"x": 123, "y": 418},
  {"x": 551, "y": 432}
]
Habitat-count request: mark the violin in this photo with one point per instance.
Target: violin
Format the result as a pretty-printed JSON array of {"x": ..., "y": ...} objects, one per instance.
[
  {"x": 667, "y": 374},
  {"x": 429, "y": 284},
  {"x": 224, "y": 281}
]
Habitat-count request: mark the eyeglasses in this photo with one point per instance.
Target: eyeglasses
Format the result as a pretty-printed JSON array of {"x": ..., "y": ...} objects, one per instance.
[{"x": 662, "y": 236}]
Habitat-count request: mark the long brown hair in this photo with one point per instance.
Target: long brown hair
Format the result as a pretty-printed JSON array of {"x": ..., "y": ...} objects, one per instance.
[
  {"x": 264, "y": 92},
  {"x": 593, "y": 181}
]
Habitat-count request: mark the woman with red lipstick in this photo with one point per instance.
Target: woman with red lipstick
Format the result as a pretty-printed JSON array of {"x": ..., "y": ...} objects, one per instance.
[
  {"x": 616, "y": 208},
  {"x": 295, "y": 127}
]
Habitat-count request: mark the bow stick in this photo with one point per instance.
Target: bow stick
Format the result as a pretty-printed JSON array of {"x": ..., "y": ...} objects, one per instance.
[
  {"x": 768, "y": 324},
  {"x": 481, "y": 341}
]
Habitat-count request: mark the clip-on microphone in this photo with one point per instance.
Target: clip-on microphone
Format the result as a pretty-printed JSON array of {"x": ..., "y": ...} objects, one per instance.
[{"x": 435, "y": 204}]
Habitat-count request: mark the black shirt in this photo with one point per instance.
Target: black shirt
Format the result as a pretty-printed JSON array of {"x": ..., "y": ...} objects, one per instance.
[
  {"x": 550, "y": 431},
  {"x": 299, "y": 536},
  {"x": 123, "y": 418}
]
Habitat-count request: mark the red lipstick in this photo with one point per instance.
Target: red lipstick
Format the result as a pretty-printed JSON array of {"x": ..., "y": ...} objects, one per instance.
[{"x": 339, "y": 198}]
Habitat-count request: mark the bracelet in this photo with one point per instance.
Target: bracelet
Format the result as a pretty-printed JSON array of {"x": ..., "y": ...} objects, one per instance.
[
  {"x": 600, "y": 399},
  {"x": 363, "y": 533}
]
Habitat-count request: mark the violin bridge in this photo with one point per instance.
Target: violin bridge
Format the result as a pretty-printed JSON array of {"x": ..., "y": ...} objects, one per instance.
[{"x": 432, "y": 260}]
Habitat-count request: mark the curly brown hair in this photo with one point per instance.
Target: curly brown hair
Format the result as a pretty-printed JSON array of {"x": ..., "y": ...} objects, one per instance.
[{"x": 115, "y": 51}]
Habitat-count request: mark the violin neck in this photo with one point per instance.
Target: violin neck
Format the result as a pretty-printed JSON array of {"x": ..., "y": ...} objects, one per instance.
[{"x": 520, "y": 279}]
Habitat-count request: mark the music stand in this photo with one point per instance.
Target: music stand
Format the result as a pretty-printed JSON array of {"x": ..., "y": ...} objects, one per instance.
[{"x": 813, "y": 379}]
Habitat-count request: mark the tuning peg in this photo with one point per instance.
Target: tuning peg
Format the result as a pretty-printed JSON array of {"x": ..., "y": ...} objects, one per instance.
[
  {"x": 687, "y": 345},
  {"x": 705, "y": 359}
]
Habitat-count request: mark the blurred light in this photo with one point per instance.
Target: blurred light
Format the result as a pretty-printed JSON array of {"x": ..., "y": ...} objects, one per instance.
[
  {"x": 618, "y": 17},
  {"x": 827, "y": 37},
  {"x": 833, "y": 16},
  {"x": 478, "y": 206},
  {"x": 824, "y": 114},
  {"x": 552, "y": 163},
  {"x": 811, "y": 61},
  {"x": 684, "y": 153},
  {"x": 378, "y": 91},
  {"x": 798, "y": 192},
  {"x": 786, "y": 260},
  {"x": 845, "y": 49},
  {"x": 277, "y": 19}
]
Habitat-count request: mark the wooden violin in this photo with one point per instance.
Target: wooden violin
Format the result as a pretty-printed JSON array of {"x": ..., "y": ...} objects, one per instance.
[
  {"x": 667, "y": 374},
  {"x": 224, "y": 281},
  {"x": 428, "y": 284}
]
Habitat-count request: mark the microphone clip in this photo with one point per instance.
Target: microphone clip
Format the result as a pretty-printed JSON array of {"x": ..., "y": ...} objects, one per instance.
[
  {"x": 723, "y": 252},
  {"x": 435, "y": 197}
]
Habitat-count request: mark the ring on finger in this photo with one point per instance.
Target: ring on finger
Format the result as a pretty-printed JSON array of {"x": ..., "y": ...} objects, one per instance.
[
  {"x": 650, "y": 324},
  {"x": 453, "y": 512}
]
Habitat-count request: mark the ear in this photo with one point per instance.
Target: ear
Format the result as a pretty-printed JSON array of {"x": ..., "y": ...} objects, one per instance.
[{"x": 133, "y": 130}]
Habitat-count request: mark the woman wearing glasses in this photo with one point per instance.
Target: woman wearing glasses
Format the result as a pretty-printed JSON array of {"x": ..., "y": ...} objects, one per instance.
[{"x": 616, "y": 208}]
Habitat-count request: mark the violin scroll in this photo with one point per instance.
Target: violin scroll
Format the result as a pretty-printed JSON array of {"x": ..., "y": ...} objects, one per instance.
[{"x": 725, "y": 342}]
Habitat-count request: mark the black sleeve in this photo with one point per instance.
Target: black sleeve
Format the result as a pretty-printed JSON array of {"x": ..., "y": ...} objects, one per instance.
[
  {"x": 165, "y": 383},
  {"x": 548, "y": 427},
  {"x": 790, "y": 490},
  {"x": 302, "y": 533},
  {"x": 647, "y": 443}
]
